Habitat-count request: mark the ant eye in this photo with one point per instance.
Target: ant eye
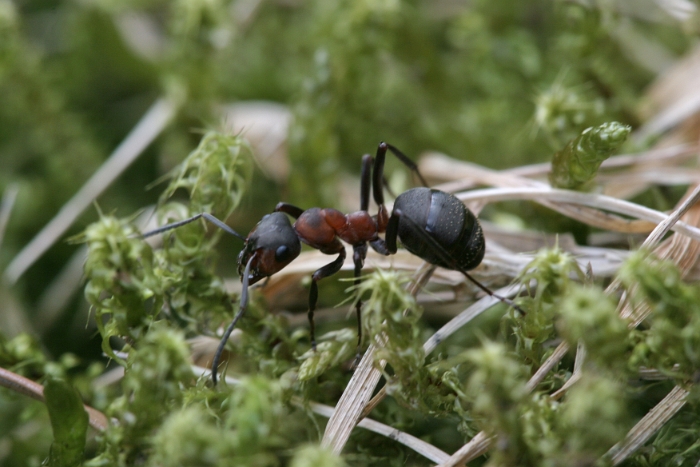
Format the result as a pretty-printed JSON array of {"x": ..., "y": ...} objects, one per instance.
[{"x": 282, "y": 253}]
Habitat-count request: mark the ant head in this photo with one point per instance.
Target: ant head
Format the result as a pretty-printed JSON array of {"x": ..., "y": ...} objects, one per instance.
[{"x": 274, "y": 243}]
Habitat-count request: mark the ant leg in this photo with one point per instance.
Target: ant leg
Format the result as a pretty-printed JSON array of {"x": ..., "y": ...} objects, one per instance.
[
  {"x": 364, "y": 182},
  {"x": 327, "y": 270},
  {"x": 358, "y": 256},
  {"x": 444, "y": 256},
  {"x": 407, "y": 162},
  {"x": 241, "y": 309},
  {"x": 388, "y": 246},
  {"x": 205, "y": 215},
  {"x": 378, "y": 175},
  {"x": 290, "y": 209}
]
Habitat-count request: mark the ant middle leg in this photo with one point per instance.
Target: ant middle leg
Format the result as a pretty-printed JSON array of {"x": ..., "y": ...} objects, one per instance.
[
  {"x": 358, "y": 256},
  {"x": 327, "y": 270}
]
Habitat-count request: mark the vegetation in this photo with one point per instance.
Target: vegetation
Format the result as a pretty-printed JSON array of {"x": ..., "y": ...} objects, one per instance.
[{"x": 601, "y": 367}]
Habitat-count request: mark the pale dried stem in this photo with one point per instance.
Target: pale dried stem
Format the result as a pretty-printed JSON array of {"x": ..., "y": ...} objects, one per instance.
[
  {"x": 648, "y": 425},
  {"x": 6, "y": 205},
  {"x": 662, "y": 157},
  {"x": 145, "y": 131},
  {"x": 361, "y": 386},
  {"x": 29, "y": 388},
  {"x": 564, "y": 199},
  {"x": 654, "y": 237},
  {"x": 657, "y": 417},
  {"x": 448, "y": 329}
]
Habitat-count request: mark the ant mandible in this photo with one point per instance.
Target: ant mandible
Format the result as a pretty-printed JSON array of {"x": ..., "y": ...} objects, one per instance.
[{"x": 431, "y": 224}]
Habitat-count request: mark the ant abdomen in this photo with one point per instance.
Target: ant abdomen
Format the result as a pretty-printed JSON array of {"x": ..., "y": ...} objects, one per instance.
[{"x": 454, "y": 227}]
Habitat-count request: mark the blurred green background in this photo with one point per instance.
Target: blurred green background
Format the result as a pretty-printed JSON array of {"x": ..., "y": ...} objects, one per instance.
[{"x": 497, "y": 82}]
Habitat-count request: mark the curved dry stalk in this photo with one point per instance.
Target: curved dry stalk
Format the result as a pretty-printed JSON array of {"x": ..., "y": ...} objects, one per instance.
[
  {"x": 648, "y": 425},
  {"x": 653, "y": 238},
  {"x": 447, "y": 330},
  {"x": 427, "y": 450},
  {"x": 143, "y": 134},
  {"x": 459, "y": 173},
  {"x": 481, "y": 443},
  {"x": 359, "y": 390},
  {"x": 6, "y": 205},
  {"x": 565, "y": 197},
  {"x": 22, "y": 385},
  {"x": 442, "y": 166},
  {"x": 478, "y": 446}
]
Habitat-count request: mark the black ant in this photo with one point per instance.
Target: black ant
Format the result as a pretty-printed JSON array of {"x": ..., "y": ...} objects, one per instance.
[{"x": 431, "y": 224}]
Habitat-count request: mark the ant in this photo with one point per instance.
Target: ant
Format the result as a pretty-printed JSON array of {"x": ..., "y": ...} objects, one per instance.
[{"x": 431, "y": 224}]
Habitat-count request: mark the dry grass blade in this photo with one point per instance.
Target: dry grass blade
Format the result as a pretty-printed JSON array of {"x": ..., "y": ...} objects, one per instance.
[
  {"x": 649, "y": 424},
  {"x": 6, "y": 205},
  {"x": 569, "y": 203},
  {"x": 674, "y": 98},
  {"x": 29, "y": 388},
  {"x": 653, "y": 237},
  {"x": 466, "y": 316},
  {"x": 479, "y": 445},
  {"x": 421, "y": 447},
  {"x": 447, "y": 330},
  {"x": 147, "y": 129},
  {"x": 668, "y": 223},
  {"x": 349, "y": 408},
  {"x": 361, "y": 386},
  {"x": 566, "y": 197},
  {"x": 683, "y": 252}
]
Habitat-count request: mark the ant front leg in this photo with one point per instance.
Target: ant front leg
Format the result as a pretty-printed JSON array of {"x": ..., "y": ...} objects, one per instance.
[{"x": 327, "y": 270}]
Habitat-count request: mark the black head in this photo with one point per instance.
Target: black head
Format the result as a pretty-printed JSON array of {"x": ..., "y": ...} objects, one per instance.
[{"x": 274, "y": 243}]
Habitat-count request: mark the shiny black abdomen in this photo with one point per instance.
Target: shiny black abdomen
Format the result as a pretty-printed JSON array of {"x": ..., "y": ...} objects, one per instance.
[{"x": 448, "y": 221}]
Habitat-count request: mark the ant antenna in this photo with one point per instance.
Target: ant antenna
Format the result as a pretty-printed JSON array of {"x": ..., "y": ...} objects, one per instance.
[
  {"x": 205, "y": 215},
  {"x": 232, "y": 326}
]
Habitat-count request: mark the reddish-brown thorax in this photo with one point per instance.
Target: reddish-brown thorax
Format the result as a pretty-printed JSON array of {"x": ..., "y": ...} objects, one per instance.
[{"x": 321, "y": 228}]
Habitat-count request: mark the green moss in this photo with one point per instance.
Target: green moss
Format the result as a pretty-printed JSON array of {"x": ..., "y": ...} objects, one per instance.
[
  {"x": 496, "y": 82},
  {"x": 575, "y": 166},
  {"x": 670, "y": 342},
  {"x": 589, "y": 316}
]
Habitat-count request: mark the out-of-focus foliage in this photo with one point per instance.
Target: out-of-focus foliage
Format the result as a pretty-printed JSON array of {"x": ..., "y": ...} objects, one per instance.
[
  {"x": 69, "y": 422},
  {"x": 553, "y": 271},
  {"x": 498, "y": 82},
  {"x": 670, "y": 343}
]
